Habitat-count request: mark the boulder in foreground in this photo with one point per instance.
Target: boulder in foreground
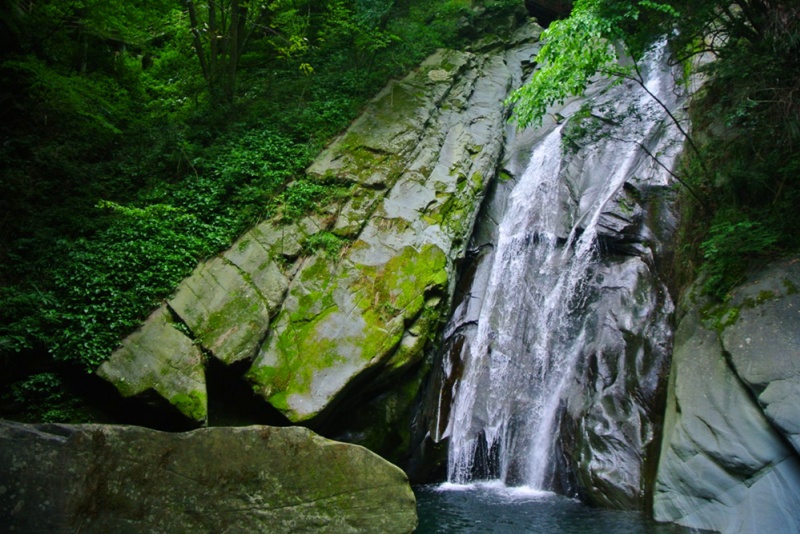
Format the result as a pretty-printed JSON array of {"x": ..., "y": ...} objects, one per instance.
[{"x": 97, "y": 478}]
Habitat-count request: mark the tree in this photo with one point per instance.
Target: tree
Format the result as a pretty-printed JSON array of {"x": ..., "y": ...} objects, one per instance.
[
  {"x": 223, "y": 30},
  {"x": 599, "y": 37},
  {"x": 748, "y": 110},
  {"x": 609, "y": 37},
  {"x": 359, "y": 28}
]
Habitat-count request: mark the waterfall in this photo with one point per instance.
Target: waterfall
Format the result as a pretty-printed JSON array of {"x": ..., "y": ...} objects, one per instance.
[{"x": 531, "y": 330}]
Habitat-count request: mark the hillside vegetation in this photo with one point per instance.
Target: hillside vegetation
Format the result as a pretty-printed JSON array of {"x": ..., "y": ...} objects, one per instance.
[
  {"x": 137, "y": 138},
  {"x": 140, "y": 137}
]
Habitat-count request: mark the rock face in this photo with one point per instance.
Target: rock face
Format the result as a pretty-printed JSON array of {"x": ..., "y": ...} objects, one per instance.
[
  {"x": 320, "y": 331},
  {"x": 94, "y": 478},
  {"x": 600, "y": 349},
  {"x": 730, "y": 459}
]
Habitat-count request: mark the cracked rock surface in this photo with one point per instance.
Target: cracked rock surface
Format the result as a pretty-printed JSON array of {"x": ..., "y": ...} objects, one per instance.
[
  {"x": 729, "y": 458},
  {"x": 315, "y": 328}
]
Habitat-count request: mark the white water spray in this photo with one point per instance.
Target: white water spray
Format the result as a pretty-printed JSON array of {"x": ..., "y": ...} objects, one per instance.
[{"x": 505, "y": 414}]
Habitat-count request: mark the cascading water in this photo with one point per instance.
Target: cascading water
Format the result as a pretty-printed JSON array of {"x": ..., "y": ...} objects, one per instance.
[{"x": 531, "y": 329}]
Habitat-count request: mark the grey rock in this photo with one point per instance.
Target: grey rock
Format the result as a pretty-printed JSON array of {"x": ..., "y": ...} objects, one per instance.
[
  {"x": 613, "y": 410},
  {"x": 425, "y": 150},
  {"x": 95, "y": 478},
  {"x": 764, "y": 343},
  {"x": 610, "y": 413},
  {"x": 223, "y": 309},
  {"x": 158, "y": 358},
  {"x": 723, "y": 465}
]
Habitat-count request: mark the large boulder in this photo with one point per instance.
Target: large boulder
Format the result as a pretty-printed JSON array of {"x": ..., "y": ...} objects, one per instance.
[
  {"x": 424, "y": 152},
  {"x": 318, "y": 331},
  {"x": 94, "y": 478},
  {"x": 160, "y": 360},
  {"x": 764, "y": 344},
  {"x": 729, "y": 459}
]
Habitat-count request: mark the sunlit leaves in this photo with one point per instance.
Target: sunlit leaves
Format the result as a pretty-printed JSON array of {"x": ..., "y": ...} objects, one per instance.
[
  {"x": 574, "y": 50},
  {"x": 585, "y": 45}
]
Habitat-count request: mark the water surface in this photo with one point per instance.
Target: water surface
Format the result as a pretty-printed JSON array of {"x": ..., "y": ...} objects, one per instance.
[{"x": 494, "y": 508}]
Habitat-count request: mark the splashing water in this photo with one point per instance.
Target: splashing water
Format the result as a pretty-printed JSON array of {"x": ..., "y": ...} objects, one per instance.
[{"x": 505, "y": 414}]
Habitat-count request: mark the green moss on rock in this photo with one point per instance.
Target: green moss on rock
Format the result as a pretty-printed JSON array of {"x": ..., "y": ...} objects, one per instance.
[
  {"x": 341, "y": 323},
  {"x": 194, "y": 404}
]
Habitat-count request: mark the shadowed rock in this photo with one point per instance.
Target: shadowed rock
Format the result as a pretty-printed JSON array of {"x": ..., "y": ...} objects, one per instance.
[
  {"x": 728, "y": 459},
  {"x": 95, "y": 478}
]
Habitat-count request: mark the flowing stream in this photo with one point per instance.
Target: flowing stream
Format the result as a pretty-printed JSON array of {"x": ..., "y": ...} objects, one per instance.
[{"x": 530, "y": 333}]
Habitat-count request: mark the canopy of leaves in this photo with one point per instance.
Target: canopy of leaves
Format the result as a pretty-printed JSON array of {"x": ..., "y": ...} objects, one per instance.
[{"x": 584, "y": 45}]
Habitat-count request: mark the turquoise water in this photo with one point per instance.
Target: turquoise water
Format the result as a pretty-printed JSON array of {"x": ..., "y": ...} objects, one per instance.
[{"x": 493, "y": 508}]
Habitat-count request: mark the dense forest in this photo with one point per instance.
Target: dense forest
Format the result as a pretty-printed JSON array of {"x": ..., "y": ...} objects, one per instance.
[{"x": 140, "y": 137}]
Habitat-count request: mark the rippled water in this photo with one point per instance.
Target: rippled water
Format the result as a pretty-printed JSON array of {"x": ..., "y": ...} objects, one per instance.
[{"x": 493, "y": 507}]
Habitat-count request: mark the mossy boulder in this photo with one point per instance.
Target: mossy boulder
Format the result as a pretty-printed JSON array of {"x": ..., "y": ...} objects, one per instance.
[
  {"x": 327, "y": 327},
  {"x": 339, "y": 323},
  {"x": 96, "y": 478},
  {"x": 160, "y": 359}
]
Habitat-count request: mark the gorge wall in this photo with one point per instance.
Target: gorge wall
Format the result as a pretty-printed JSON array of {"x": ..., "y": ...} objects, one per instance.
[
  {"x": 730, "y": 457},
  {"x": 556, "y": 356}
]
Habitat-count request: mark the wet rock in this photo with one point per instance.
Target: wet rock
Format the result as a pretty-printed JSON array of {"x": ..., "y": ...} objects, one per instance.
[
  {"x": 95, "y": 478},
  {"x": 613, "y": 412},
  {"x": 614, "y": 332}
]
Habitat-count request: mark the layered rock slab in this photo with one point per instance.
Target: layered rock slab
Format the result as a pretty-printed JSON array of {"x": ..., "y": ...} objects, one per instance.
[
  {"x": 160, "y": 359},
  {"x": 432, "y": 141},
  {"x": 320, "y": 327},
  {"x": 95, "y": 478},
  {"x": 728, "y": 460},
  {"x": 764, "y": 344}
]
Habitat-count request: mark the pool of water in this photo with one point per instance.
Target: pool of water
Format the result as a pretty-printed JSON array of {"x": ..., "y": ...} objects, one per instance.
[{"x": 493, "y": 507}]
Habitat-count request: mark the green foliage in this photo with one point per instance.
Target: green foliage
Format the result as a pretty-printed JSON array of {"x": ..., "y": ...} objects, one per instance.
[
  {"x": 304, "y": 195},
  {"x": 300, "y": 198},
  {"x": 575, "y": 49},
  {"x": 586, "y": 44},
  {"x": 731, "y": 244},
  {"x": 239, "y": 178},
  {"x": 43, "y": 397},
  {"x": 109, "y": 283},
  {"x": 90, "y": 101},
  {"x": 329, "y": 243}
]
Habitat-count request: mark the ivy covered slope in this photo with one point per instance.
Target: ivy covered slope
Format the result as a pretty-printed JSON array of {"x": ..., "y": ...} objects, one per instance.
[{"x": 138, "y": 138}]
